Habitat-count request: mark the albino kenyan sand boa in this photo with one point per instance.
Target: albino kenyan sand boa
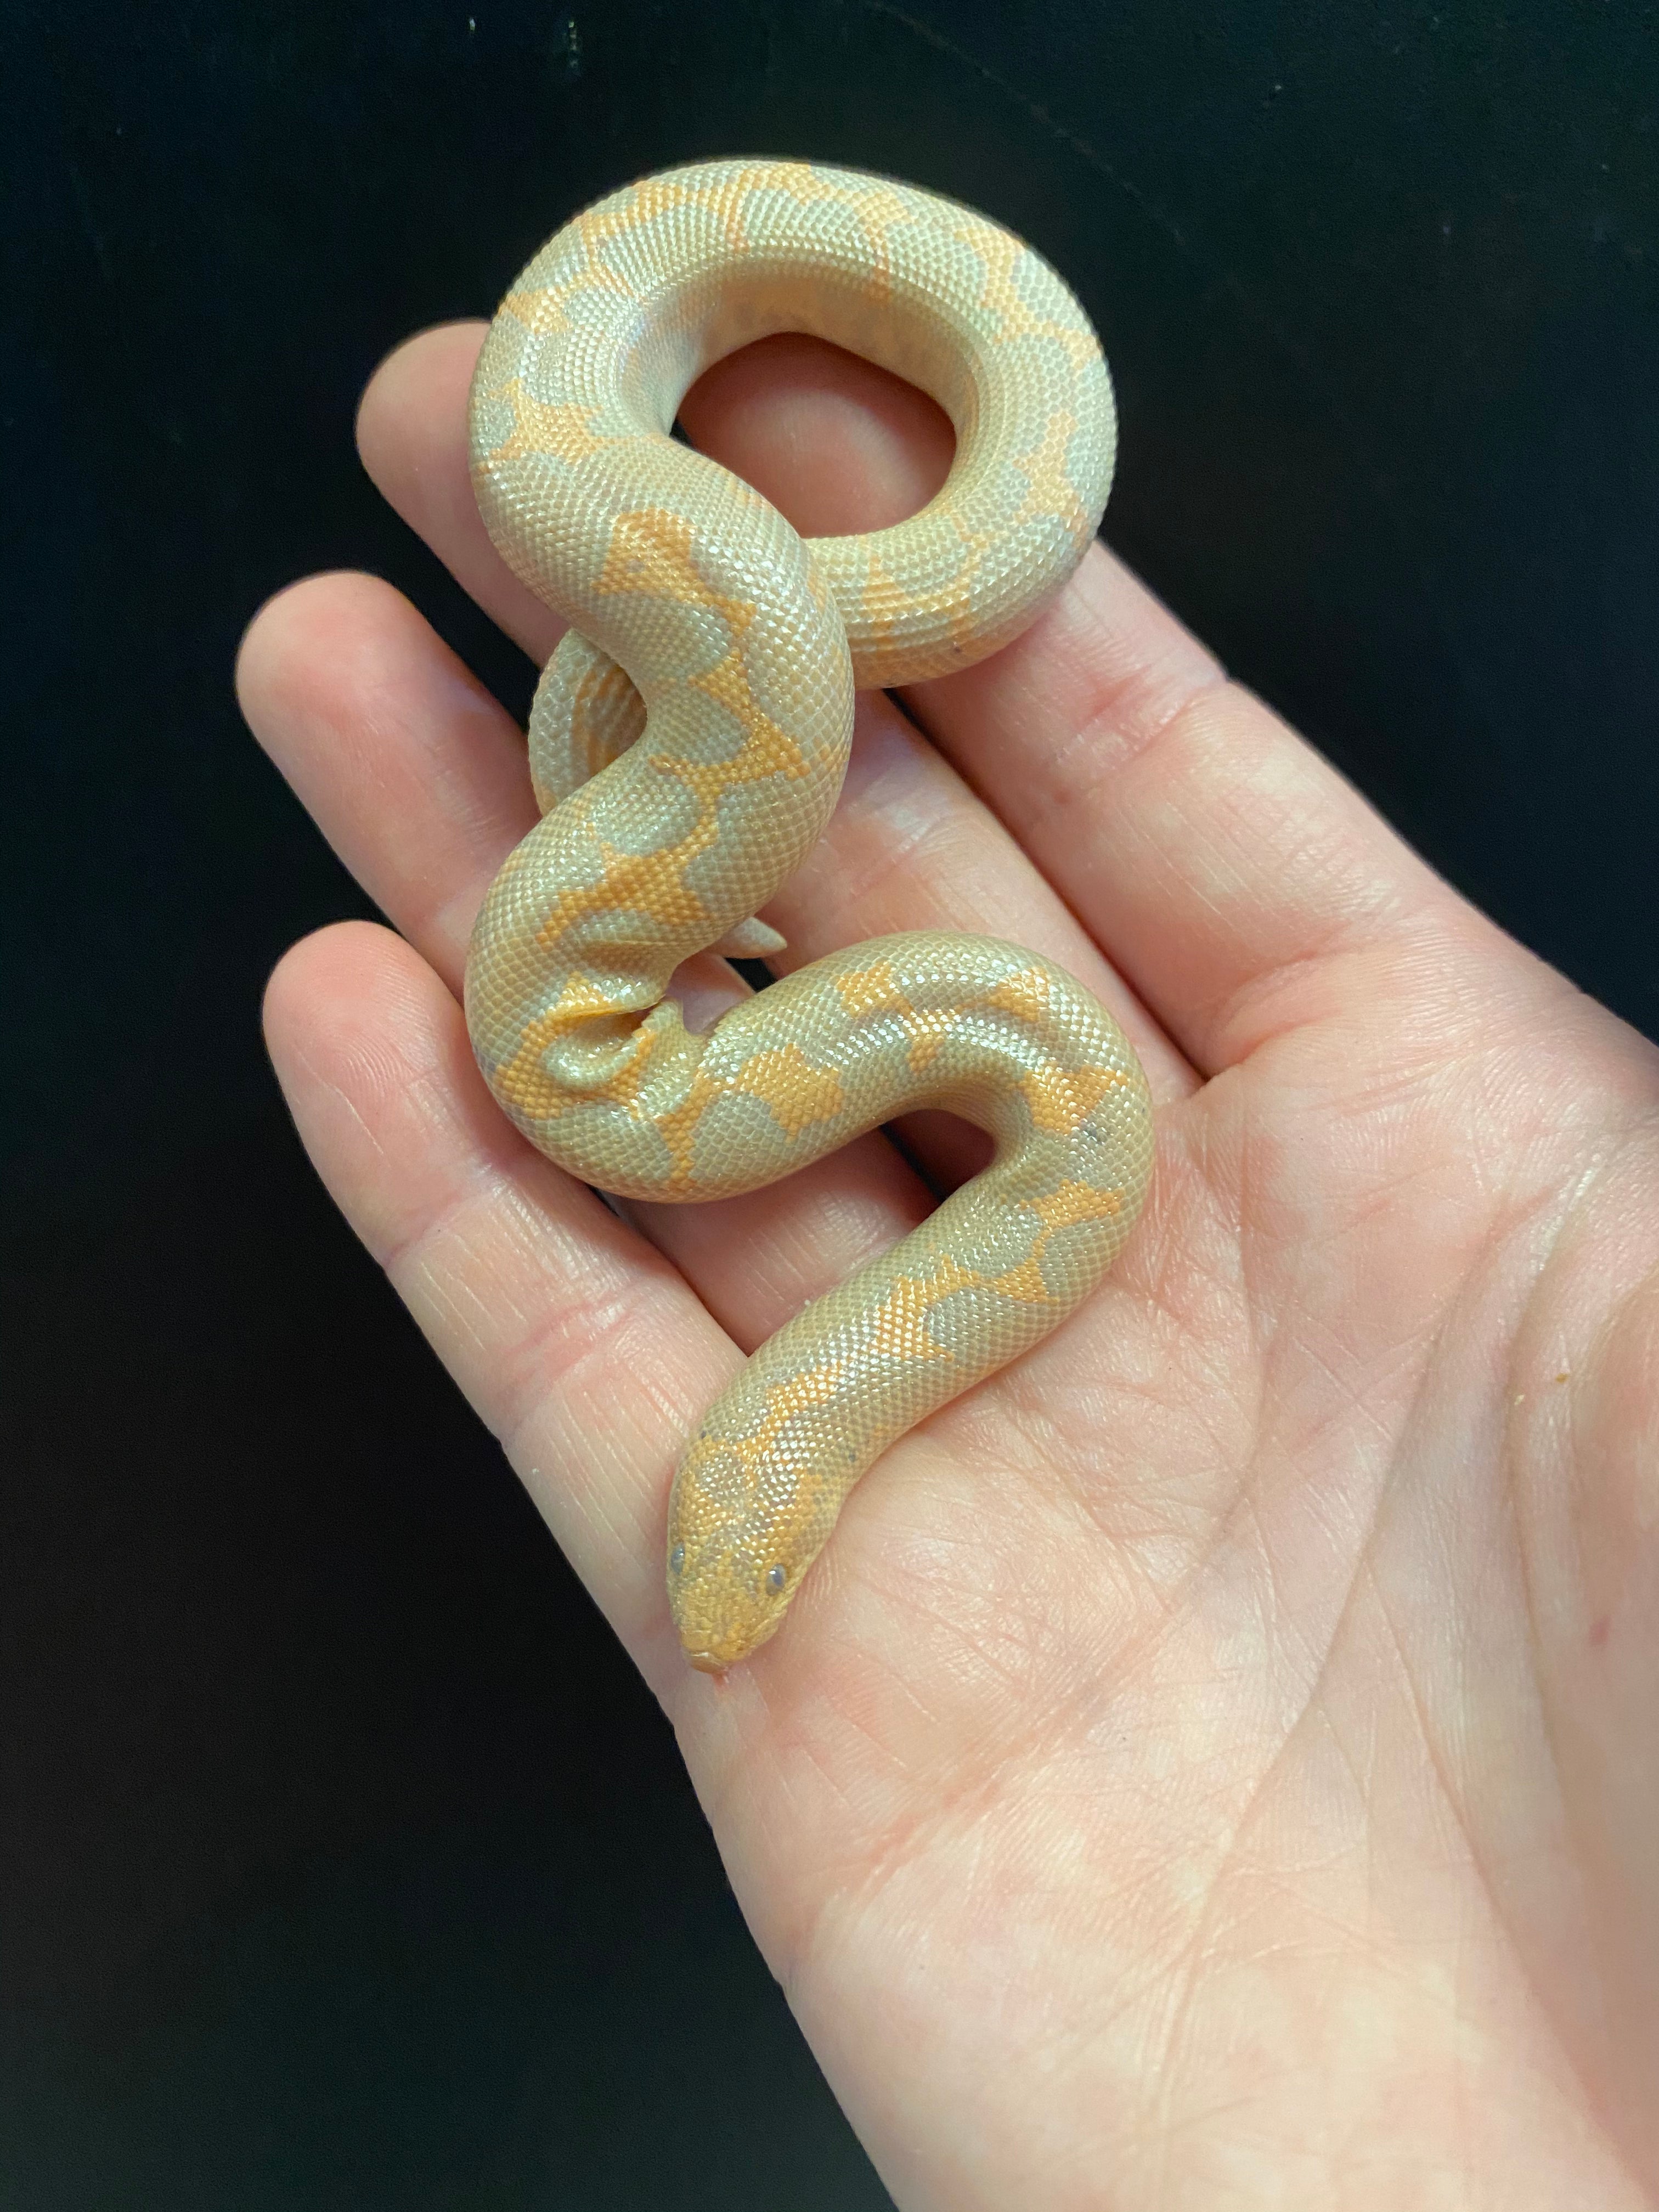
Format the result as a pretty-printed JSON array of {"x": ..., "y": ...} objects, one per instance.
[{"x": 687, "y": 743}]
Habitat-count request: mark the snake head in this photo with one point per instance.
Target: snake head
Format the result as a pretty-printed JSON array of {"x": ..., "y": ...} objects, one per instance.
[{"x": 732, "y": 1564}]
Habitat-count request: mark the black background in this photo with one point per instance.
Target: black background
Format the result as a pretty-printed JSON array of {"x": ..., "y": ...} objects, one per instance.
[{"x": 344, "y": 1862}]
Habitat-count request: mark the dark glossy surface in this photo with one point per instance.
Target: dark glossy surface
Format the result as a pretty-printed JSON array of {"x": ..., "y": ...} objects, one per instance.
[{"x": 344, "y": 1861}]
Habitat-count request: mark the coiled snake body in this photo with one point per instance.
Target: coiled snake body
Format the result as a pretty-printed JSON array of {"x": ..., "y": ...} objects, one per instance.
[{"x": 688, "y": 742}]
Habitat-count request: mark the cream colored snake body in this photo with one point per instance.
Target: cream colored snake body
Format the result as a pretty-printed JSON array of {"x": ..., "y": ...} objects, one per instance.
[{"x": 678, "y": 795}]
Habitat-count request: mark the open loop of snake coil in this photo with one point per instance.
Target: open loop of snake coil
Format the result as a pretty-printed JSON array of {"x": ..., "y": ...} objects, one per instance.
[{"x": 687, "y": 743}]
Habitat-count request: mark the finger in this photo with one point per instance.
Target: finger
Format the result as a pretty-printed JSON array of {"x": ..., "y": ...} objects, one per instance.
[
  {"x": 578, "y": 1345},
  {"x": 1228, "y": 870},
  {"x": 1219, "y": 863},
  {"x": 411, "y": 437},
  {"x": 412, "y": 771},
  {"x": 846, "y": 446}
]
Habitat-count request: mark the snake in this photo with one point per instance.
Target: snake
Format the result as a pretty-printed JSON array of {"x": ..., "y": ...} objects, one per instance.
[{"x": 687, "y": 744}]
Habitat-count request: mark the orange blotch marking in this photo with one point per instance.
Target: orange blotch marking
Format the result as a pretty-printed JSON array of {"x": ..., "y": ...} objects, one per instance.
[
  {"x": 540, "y": 309},
  {"x": 1061, "y": 1099},
  {"x": 872, "y": 990},
  {"x": 1001, "y": 254},
  {"x": 606, "y": 715},
  {"x": 768, "y": 748},
  {"x": 1059, "y": 1209},
  {"x": 899, "y": 1325},
  {"x": 1024, "y": 1283},
  {"x": 1025, "y": 995},
  {"x": 1076, "y": 1201},
  {"x": 556, "y": 430},
  {"x": 876, "y": 990},
  {"x": 1046, "y": 471},
  {"x": 795, "y": 1093},
  {"x": 653, "y": 550},
  {"x": 651, "y": 884}
]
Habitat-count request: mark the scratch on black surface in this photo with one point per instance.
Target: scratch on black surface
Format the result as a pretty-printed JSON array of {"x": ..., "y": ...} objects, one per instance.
[
  {"x": 1050, "y": 123},
  {"x": 1165, "y": 221},
  {"x": 95, "y": 236},
  {"x": 567, "y": 48}
]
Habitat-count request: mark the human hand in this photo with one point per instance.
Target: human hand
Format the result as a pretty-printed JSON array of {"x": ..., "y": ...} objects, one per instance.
[{"x": 1214, "y": 1762}]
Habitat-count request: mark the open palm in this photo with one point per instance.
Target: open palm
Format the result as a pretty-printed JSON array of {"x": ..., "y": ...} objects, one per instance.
[{"x": 1215, "y": 1762}]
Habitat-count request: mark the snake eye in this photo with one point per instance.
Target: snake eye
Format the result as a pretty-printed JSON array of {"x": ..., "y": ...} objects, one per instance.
[
  {"x": 677, "y": 1559},
  {"x": 775, "y": 1578}
]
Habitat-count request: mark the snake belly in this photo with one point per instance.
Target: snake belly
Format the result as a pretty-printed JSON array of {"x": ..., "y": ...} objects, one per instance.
[{"x": 688, "y": 742}]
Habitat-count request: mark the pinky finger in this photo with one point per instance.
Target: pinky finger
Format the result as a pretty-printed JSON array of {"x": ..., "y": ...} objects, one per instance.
[{"x": 582, "y": 1349}]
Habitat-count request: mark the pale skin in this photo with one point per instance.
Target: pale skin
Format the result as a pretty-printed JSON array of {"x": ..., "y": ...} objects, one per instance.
[{"x": 1215, "y": 1763}]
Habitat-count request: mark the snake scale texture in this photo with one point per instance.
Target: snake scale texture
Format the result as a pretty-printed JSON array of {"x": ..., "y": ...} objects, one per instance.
[{"x": 688, "y": 742}]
